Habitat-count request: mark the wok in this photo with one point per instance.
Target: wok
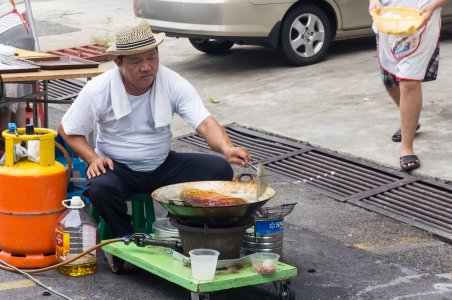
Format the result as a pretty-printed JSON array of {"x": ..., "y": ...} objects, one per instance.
[{"x": 168, "y": 197}]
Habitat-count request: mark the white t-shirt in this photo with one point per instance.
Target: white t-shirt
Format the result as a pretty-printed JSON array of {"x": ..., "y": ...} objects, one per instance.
[
  {"x": 133, "y": 139},
  {"x": 406, "y": 3}
]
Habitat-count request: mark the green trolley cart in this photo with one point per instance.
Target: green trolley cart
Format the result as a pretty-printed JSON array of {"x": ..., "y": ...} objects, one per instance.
[{"x": 175, "y": 268}]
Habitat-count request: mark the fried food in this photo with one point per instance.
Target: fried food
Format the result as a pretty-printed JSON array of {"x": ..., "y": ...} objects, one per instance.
[{"x": 203, "y": 198}]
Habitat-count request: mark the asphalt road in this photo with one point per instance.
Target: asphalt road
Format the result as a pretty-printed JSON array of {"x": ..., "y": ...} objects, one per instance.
[{"x": 341, "y": 251}]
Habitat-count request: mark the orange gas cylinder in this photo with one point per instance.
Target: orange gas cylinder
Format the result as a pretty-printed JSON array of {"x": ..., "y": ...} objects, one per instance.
[{"x": 30, "y": 201}]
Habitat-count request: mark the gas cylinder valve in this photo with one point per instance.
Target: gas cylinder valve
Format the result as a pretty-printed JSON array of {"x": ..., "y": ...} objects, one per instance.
[{"x": 13, "y": 128}]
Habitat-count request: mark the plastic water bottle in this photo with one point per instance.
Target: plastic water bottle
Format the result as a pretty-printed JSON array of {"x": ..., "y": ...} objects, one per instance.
[{"x": 75, "y": 233}]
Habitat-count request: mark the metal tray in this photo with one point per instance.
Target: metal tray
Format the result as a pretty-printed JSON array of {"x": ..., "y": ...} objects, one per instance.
[
  {"x": 63, "y": 62},
  {"x": 10, "y": 64}
]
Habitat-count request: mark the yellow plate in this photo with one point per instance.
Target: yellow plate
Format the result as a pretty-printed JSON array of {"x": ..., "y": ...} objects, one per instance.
[{"x": 397, "y": 20}]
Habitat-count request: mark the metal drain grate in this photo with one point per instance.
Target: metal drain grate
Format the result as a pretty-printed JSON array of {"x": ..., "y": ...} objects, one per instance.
[
  {"x": 421, "y": 203},
  {"x": 262, "y": 146},
  {"x": 337, "y": 176},
  {"x": 63, "y": 89}
]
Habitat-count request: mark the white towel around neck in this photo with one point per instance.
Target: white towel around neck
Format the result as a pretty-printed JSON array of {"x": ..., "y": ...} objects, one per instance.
[{"x": 160, "y": 104}]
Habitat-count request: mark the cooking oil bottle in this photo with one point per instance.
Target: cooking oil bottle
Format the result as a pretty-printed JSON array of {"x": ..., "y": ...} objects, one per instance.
[{"x": 75, "y": 233}]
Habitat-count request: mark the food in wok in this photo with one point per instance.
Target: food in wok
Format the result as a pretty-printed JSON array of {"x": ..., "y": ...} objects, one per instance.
[
  {"x": 203, "y": 198},
  {"x": 169, "y": 197}
]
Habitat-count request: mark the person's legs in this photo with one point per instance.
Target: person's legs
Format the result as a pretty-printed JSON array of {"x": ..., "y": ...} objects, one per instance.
[
  {"x": 19, "y": 117},
  {"x": 5, "y": 116},
  {"x": 108, "y": 194},
  {"x": 394, "y": 92},
  {"x": 15, "y": 111},
  {"x": 410, "y": 110},
  {"x": 392, "y": 87}
]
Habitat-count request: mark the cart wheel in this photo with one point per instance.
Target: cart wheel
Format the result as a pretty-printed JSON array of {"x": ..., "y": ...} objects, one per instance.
[
  {"x": 116, "y": 265},
  {"x": 286, "y": 291}
]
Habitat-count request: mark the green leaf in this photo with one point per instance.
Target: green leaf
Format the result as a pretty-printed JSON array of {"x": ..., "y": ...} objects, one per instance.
[{"x": 213, "y": 101}]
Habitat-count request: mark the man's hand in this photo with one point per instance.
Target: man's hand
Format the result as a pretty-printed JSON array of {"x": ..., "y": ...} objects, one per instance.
[
  {"x": 427, "y": 12},
  {"x": 238, "y": 156},
  {"x": 97, "y": 166},
  {"x": 219, "y": 140},
  {"x": 374, "y": 4}
]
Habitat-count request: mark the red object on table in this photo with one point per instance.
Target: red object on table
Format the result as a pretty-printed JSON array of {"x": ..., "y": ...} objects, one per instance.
[{"x": 92, "y": 52}]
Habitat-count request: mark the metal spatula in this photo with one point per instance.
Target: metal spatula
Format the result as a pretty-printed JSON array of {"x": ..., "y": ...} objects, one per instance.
[{"x": 261, "y": 180}]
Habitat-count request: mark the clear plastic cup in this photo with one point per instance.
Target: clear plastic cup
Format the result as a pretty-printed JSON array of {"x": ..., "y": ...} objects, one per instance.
[{"x": 203, "y": 263}]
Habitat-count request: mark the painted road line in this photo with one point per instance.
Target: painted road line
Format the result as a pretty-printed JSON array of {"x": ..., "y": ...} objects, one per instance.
[
  {"x": 16, "y": 284},
  {"x": 396, "y": 245}
]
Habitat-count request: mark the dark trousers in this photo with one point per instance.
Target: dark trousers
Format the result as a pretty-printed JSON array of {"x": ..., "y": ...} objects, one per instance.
[{"x": 108, "y": 192}]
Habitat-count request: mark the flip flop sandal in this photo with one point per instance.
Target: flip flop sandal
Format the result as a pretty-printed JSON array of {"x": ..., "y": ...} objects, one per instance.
[
  {"x": 409, "y": 162},
  {"x": 397, "y": 136}
]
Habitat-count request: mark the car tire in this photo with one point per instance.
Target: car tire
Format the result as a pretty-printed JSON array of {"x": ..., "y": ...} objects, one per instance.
[
  {"x": 211, "y": 46},
  {"x": 301, "y": 44}
]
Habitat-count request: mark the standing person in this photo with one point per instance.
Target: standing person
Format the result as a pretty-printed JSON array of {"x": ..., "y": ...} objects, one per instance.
[
  {"x": 406, "y": 62},
  {"x": 132, "y": 107},
  {"x": 15, "y": 32}
]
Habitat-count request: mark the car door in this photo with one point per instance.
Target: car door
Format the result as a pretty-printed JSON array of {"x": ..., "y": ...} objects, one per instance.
[{"x": 354, "y": 14}]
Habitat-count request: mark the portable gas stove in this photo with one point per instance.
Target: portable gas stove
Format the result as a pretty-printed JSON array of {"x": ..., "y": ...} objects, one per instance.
[
  {"x": 168, "y": 258},
  {"x": 216, "y": 227}
]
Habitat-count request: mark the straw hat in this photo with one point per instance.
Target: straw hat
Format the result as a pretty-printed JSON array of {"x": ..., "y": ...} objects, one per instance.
[{"x": 135, "y": 39}]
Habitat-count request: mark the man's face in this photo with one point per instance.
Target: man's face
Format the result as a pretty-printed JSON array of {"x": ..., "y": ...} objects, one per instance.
[{"x": 139, "y": 71}]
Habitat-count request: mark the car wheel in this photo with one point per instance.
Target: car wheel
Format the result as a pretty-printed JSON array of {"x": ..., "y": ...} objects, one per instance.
[
  {"x": 211, "y": 46},
  {"x": 305, "y": 35}
]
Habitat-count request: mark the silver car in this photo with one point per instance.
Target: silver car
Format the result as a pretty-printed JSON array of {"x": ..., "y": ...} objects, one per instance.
[{"x": 301, "y": 30}]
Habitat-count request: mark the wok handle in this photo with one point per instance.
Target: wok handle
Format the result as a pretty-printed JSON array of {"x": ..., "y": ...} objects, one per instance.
[
  {"x": 239, "y": 178},
  {"x": 175, "y": 245}
]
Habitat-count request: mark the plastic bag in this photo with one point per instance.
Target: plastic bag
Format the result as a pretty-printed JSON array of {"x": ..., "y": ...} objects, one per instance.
[
  {"x": 34, "y": 151},
  {"x": 7, "y": 50},
  {"x": 19, "y": 153}
]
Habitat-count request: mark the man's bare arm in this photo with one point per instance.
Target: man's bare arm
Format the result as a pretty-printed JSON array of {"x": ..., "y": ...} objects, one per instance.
[
  {"x": 96, "y": 164},
  {"x": 217, "y": 139}
]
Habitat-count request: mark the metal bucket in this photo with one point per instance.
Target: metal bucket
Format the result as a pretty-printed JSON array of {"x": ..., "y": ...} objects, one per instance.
[
  {"x": 163, "y": 229},
  {"x": 264, "y": 236},
  {"x": 228, "y": 241}
]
